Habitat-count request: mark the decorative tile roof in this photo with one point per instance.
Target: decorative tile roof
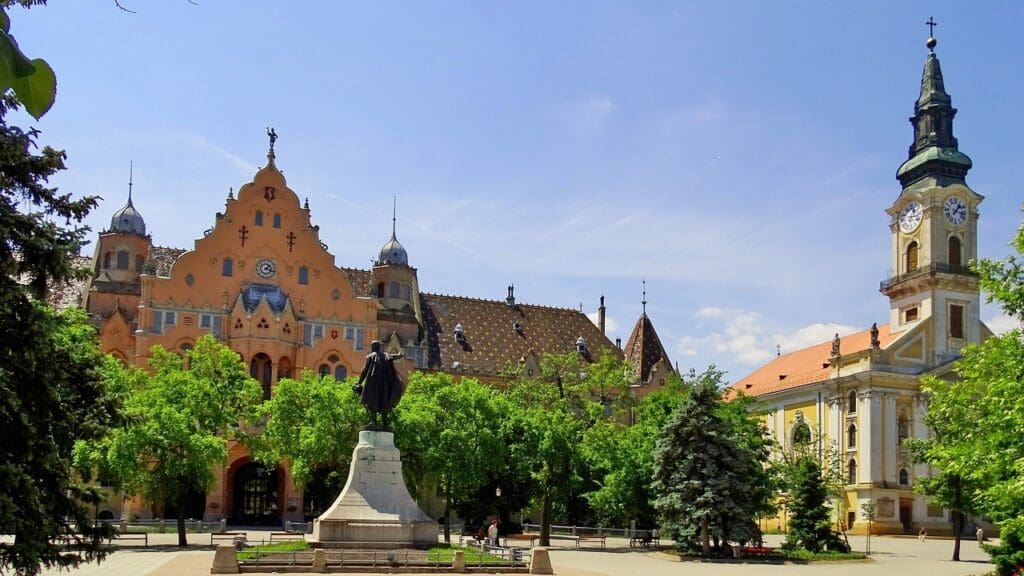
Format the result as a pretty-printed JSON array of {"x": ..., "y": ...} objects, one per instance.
[
  {"x": 492, "y": 340},
  {"x": 253, "y": 293},
  {"x": 644, "y": 350},
  {"x": 807, "y": 366},
  {"x": 69, "y": 294},
  {"x": 361, "y": 280},
  {"x": 160, "y": 259}
]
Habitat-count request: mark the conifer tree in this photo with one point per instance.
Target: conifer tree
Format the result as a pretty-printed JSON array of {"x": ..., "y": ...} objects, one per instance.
[{"x": 809, "y": 517}]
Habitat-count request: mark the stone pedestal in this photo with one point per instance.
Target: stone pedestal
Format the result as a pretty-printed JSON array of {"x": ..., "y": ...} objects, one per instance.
[{"x": 374, "y": 509}]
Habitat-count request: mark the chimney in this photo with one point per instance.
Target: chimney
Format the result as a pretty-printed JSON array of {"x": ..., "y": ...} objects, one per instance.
[
  {"x": 511, "y": 298},
  {"x": 600, "y": 315},
  {"x": 618, "y": 343}
]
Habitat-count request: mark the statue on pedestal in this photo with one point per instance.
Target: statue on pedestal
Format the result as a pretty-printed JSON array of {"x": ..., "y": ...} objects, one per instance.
[{"x": 382, "y": 389}]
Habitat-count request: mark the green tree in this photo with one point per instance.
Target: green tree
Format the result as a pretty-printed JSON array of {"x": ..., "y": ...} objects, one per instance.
[
  {"x": 178, "y": 423},
  {"x": 447, "y": 433},
  {"x": 709, "y": 470},
  {"x": 809, "y": 516},
  {"x": 50, "y": 392},
  {"x": 621, "y": 459},
  {"x": 314, "y": 424}
]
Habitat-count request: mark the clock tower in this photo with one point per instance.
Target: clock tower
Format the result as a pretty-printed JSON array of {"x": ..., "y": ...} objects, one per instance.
[{"x": 934, "y": 227}]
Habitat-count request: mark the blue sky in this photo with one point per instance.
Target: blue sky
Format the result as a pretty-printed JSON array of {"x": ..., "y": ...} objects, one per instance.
[{"x": 737, "y": 155}]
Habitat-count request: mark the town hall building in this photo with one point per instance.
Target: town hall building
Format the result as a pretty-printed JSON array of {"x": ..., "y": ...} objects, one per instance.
[{"x": 262, "y": 281}]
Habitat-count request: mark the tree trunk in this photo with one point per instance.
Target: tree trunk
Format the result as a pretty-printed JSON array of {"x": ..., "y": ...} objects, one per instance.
[
  {"x": 705, "y": 539},
  {"x": 447, "y": 518},
  {"x": 545, "y": 518},
  {"x": 958, "y": 527},
  {"x": 182, "y": 540}
]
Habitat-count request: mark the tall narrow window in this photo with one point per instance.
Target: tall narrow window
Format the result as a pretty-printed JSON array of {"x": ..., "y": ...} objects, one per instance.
[
  {"x": 303, "y": 275},
  {"x": 955, "y": 260},
  {"x": 911, "y": 263},
  {"x": 393, "y": 290},
  {"x": 851, "y": 402},
  {"x": 325, "y": 370},
  {"x": 259, "y": 218},
  {"x": 139, "y": 262},
  {"x": 851, "y": 436},
  {"x": 340, "y": 372},
  {"x": 228, "y": 267},
  {"x": 902, "y": 428},
  {"x": 956, "y": 321},
  {"x": 380, "y": 290},
  {"x": 122, "y": 259},
  {"x": 904, "y": 478},
  {"x": 277, "y": 220},
  {"x": 851, "y": 471},
  {"x": 108, "y": 260}
]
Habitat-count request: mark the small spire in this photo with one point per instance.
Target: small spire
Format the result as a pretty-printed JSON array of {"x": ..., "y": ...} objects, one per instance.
[
  {"x": 306, "y": 204},
  {"x": 644, "y": 301},
  {"x": 231, "y": 192},
  {"x": 131, "y": 178},
  {"x": 778, "y": 350},
  {"x": 394, "y": 217}
]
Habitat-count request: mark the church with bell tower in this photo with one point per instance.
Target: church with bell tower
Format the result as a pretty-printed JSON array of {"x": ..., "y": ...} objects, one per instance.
[{"x": 856, "y": 399}]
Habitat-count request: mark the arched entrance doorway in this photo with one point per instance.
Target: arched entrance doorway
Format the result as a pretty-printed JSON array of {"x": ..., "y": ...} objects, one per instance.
[
  {"x": 261, "y": 368},
  {"x": 256, "y": 494}
]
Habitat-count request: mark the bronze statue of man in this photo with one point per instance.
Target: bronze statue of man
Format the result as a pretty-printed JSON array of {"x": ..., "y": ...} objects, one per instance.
[{"x": 382, "y": 389}]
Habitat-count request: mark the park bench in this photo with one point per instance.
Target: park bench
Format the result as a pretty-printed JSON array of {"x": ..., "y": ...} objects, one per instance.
[
  {"x": 531, "y": 538},
  {"x": 757, "y": 551},
  {"x": 229, "y": 536},
  {"x": 285, "y": 536},
  {"x": 591, "y": 538},
  {"x": 120, "y": 536}
]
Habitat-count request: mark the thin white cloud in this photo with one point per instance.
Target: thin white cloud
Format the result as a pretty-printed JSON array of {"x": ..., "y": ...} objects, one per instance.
[
  {"x": 1002, "y": 323},
  {"x": 741, "y": 337},
  {"x": 611, "y": 325},
  {"x": 204, "y": 145}
]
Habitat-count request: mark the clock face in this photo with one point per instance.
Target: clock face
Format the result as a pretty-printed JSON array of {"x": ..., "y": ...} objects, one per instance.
[
  {"x": 910, "y": 217},
  {"x": 955, "y": 210},
  {"x": 266, "y": 268}
]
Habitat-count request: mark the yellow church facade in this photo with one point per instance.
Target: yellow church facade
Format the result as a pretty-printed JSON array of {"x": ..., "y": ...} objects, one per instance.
[{"x": 859, "y": 397}]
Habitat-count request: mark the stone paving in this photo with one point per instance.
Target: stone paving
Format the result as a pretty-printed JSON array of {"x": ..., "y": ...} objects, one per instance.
[{"x": 890, "y": 555}]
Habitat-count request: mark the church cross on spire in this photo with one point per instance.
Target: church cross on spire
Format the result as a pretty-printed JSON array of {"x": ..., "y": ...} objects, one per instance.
[{"x": 931, "y": 24}]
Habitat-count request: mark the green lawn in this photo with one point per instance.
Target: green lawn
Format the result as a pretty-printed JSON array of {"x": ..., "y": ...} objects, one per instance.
[
  {"x": 444, "y": 555},
  {"x": 289, "y": 546}
]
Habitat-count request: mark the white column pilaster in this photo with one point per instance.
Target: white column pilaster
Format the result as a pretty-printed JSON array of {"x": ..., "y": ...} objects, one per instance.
[
  {"x": 864, "y": 423},
  {"x": 889, "y": 442},
  {"x": 920, "y": 430}
]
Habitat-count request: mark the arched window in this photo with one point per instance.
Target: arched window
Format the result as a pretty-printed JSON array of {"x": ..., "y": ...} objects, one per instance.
[
  {"x": 851, "y": 471},
  {"x": 340, "y": 372},
  {"x": 851, "y": 436},
  {"x": 284, "y": 368},
  {"x": 955, "y": 259},
  {"x": 261, "y": 368},
  {"x": 324, "y": 370},
  {"x": 139, "y": 261},
  {"x": 851, "y": 402},
  {"x": 801, "y": 434},
  {"x": 406, "y": 293},
  {"x": 393, "y": 290},
  {"x": 122, "y": 259},
  {"x": 380, "y": 290},
  {"x": 904, "y": 477},
  {"x": 902, "y": 427},
  {"x": 911, "y": 261},
  {"x": 259, "y": 218},
  {"x": 108, "y": 260}
]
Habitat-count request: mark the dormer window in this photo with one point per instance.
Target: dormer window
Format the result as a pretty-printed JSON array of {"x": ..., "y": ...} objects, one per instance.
[
  {"x": 460, "y": 333},
  {"x": 581, "y": 345},
  {"x": 517, "y": 327}
]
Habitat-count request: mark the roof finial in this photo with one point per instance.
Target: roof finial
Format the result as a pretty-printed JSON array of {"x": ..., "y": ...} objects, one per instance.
[
  {"x": 931, "y": 24},
  {"x": 231, "y": 192},
  {"x": 272, "y": 134},
  {"x": 394, "y": 216},
  {"x": 131, "y": 177},
  {"x": 644, "y": 301}
]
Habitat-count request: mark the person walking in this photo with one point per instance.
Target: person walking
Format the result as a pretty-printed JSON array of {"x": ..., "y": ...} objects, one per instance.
[
  {"x": 980, "y": 534},
  {"x": 492, "y": 533}
]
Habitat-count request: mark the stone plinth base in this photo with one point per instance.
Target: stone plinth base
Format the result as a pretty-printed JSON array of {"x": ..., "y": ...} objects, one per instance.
[{"x": 374, "y": 509}]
